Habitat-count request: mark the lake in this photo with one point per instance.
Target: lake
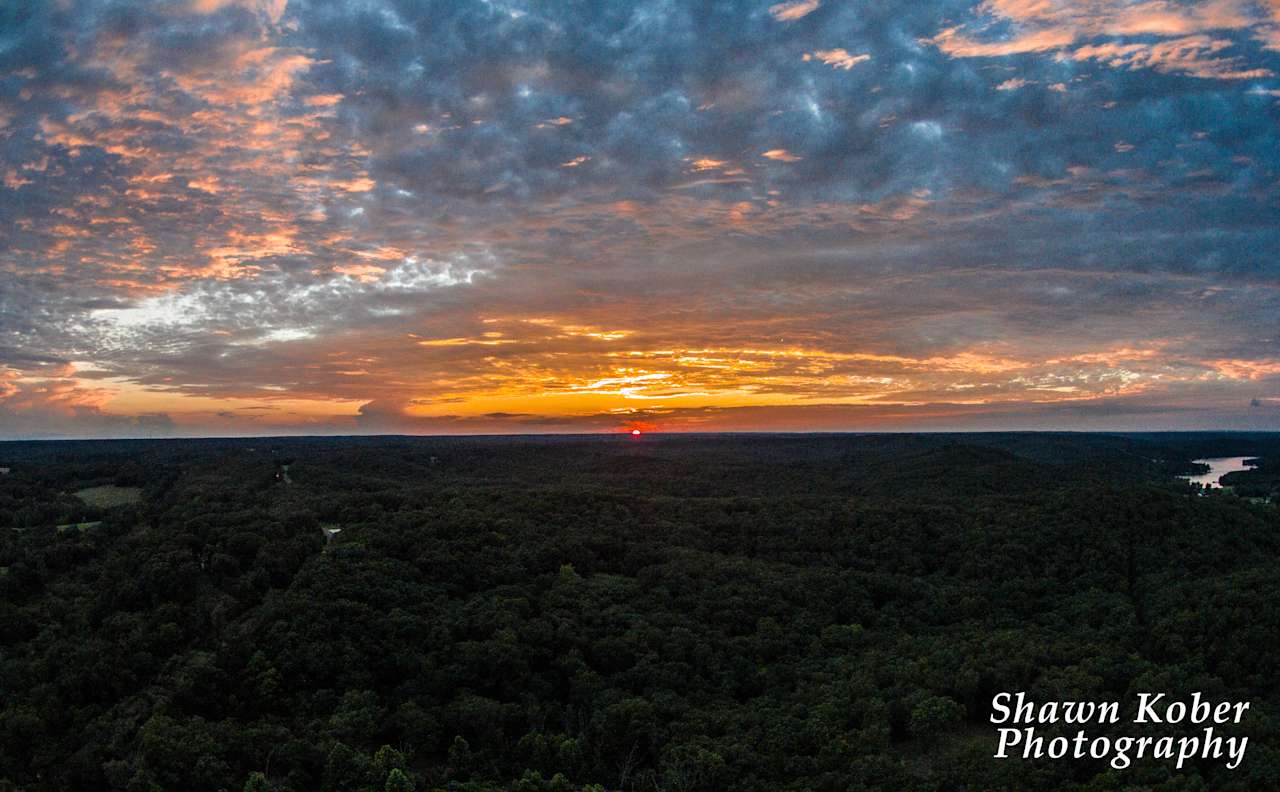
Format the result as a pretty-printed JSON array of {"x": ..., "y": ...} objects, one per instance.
[{"x": 1218, "y": 467}]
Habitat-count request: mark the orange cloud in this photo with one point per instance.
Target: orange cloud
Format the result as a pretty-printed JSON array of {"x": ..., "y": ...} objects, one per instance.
[
  {"x": 1183, "y": 45},
  {"x": 1012, "y": 84},
  {"x": 272, "y": 9},
  {"x": 780, "y": 155},
  {"x": 791, "y": 11},
  {"x": 837, "y": 58},
  {"x": 1251, "y": 370},
  {"x": 323, "y": 100},
  {"x": 707, "y": 163}
]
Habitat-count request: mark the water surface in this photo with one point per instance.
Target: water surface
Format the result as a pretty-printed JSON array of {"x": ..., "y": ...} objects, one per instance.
[{"x": 1218, "y": 467}]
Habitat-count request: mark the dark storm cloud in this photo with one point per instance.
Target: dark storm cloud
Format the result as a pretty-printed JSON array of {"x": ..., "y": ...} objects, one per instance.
[{"x": 407, "y": 205}]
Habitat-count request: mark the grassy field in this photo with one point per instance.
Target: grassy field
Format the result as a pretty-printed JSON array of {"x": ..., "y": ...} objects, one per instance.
[{"x": 106, "y": 496}]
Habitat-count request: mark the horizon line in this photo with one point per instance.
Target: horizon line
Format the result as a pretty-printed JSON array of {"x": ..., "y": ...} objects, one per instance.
[{"x": 647, "y": 434}]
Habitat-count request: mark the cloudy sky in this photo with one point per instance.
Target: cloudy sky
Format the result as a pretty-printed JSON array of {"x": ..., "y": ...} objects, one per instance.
[{"x": 269, "y": 216}]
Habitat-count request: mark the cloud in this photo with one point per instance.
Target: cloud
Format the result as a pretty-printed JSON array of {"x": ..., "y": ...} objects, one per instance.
[
  {"x": 1190, "y": 55},
  {"x": 837, "y": 58},
  {"x": 1165, "y": 36},
  {"x": 791, "y": 11},
  {"x": 253, "y": 217},
  {"x": 780, "y": 155},
  {"x": 1013, "y": 84},
  {"x": 271, "y": 9}
]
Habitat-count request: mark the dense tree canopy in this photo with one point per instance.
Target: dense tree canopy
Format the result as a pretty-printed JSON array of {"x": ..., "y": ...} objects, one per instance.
[{"x": 684, "y": 614}]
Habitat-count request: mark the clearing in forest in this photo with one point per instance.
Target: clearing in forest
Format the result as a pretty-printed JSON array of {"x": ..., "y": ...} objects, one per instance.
[{"x": 109, "y": 495}]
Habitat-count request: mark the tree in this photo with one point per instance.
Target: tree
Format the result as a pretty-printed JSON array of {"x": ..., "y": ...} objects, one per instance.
[
  {"x": 397, "y": 781},
  {"x": 386, "y": 760},
  {"x": 257, "y": 783},
  {"x": 933, "y": 716}
]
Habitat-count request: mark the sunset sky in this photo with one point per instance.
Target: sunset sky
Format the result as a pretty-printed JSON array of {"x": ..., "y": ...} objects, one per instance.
[{"x": 237, "y": 217}]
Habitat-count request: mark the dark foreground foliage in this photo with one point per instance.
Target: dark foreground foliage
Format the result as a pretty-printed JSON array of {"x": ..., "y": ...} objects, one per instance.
[{"x": 683, "y": 614}]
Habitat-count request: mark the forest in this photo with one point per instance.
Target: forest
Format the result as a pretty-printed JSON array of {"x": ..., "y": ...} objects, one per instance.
[{"x": 679, "y": 613}]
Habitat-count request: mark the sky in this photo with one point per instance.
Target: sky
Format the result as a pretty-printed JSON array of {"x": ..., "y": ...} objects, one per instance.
[{"x": 256, "y": 217}]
